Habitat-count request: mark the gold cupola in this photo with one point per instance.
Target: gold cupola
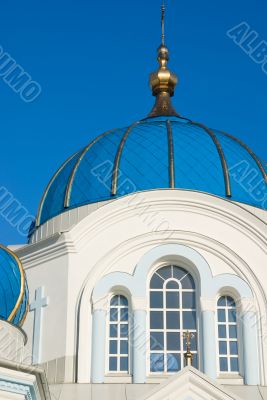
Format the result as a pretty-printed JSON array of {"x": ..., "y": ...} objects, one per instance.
[{"x": 163, "y": 81}]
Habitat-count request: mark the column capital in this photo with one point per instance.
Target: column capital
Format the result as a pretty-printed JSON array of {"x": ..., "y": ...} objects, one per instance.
[{"x": 208, "y": 304}]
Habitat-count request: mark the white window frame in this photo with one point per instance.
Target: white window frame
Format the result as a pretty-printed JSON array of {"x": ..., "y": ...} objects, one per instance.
[
  {"x": 108, "y": 372},
  {"x": 196, "y": 309},
  {"x": 227, "y": 339}
]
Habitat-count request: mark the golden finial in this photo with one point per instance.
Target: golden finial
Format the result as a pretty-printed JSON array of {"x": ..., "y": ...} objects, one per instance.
[
  {"x": 188, "y": 355},
  {"x": 163, "y": 81}
]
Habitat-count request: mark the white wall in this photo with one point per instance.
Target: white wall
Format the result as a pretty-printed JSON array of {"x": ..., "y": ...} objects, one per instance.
[{"x": 114, "y": 238}]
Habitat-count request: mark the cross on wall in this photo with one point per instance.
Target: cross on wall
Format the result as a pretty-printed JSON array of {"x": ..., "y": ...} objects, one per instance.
[{"x": 37, "y": 306}]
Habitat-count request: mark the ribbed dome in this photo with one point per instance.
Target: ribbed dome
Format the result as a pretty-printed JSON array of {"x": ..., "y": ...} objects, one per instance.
[
  {"x": 13, "y": 288},
  {"x": 156, "y": 153}
]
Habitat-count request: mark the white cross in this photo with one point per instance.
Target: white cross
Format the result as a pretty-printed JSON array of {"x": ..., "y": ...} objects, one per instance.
[{"x": 37, "y": 307}]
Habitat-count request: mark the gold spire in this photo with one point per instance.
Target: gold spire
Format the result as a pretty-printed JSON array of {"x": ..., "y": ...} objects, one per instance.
[
  {"x": 163, "y": 23},
  {"x": 163, "y": 81}
]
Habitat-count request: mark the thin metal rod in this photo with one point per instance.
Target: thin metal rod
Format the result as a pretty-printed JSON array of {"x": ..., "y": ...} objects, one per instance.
[
  {"x": 251, "y": 153},
  {"x": 171, "y": 155},
  {"x": 222, "y": 157},
  {"x": 163, "y": 23},
  {"x": 40, "y": 209},
  {"x": 77, "y": 164},
  {"x": 115, "y": 174}
]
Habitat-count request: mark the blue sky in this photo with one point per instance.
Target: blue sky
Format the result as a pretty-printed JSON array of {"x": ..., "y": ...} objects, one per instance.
[{"x": 92, "y": 60}]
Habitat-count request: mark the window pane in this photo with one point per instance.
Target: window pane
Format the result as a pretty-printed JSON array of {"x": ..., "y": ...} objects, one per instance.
[
  {"x": 156, "y": 341},
  {"x": 123, "y": 301},
  {"x": 232, "y": 315},
  {"x": 221, "y": 316},
  {"x": 222, "y": 302},
  {"x": 156, "y": 282},
  {"x": 156, "y": 300},
  {"x": 223, "y": 348},
  {"x": 113, "y": 347},
  {"x": 165, "y": 272},
  {"x": 173, "y": 362},
  {"x": 222, "y": 331},
  {"x": 124, "y": 314},
  {"x": 230, "y": 302},
  {"x": 187, "y": 282},
  {"x": 173, "y": 341},
  {"x": 113, "y": 364},
  {"x": 156, "y": 320},
  {"x": 189, "y": 320},
  {"x": 114, "y": 301},
  {"x": 173, "y": 319},
  {"x": 124, "y": 347},
  {"x": 113, "y": 330},
  {"x": 156, "y": 362},
  {"x": 223, "y": 364},
  {"x": 233, "y": 331},
  {"x": 113, "y": 314},
  {"x": 179, "y": 273},
  {"x": 172, "y": 285},
  {"x": 195, "y": 361},
  {"x": 233, "y": 348},
  {"x": 189, "y": 300},
  {"x": 172, "y": 300},
  {"x": 124, "y": 330},
  {"x": 234, "y": 365},
  {"x": 124, "y": 364}
]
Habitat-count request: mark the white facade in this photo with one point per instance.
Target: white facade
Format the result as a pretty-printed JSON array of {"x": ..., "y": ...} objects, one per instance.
[
  {"x": 82, "y": 257},
  {"x": 18, "y": 379}
]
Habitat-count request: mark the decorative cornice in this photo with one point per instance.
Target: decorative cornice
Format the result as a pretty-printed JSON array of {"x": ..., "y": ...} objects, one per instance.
[
  {"x": 56, "y": 246},
  {"x": 16, "y": 388},
  {"x": 187, "y": 201}
]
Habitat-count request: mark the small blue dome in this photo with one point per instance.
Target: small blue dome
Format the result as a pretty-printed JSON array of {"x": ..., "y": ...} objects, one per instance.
[
  {"x": 13, "y": 288},
  {"x": 156, "y": 153}
]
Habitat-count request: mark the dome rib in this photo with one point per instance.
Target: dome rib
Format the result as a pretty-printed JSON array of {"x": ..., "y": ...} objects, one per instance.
[
  {"x": 162, "y": 152},
  {"x": 19, "y": 301},
  {"x": 251, "y": 153},
  {"x": 118, "y": 158},
  {"x": 171, "y": 154},
  {"x": 40, "y": 209},
  {"x": 76, "y": 166},
  {"x": 222, "y": 157}
]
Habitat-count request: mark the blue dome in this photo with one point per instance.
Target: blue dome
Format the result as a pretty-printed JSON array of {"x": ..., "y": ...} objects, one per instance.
[
  {"x": 13, "y": 288},
  {"x": 156, "y": 153}
]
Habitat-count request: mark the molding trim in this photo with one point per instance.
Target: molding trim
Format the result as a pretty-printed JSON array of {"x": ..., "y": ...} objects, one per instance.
[
  {"x": 185, "y": 256},
  {"x": 13, "y": 387}
]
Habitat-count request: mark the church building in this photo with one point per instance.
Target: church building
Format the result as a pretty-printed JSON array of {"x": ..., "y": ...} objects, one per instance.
[{"x": 144, "y": 277}]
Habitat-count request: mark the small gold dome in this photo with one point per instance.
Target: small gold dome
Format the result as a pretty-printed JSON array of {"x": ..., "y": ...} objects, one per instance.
[{"x": 163, "y": 80}]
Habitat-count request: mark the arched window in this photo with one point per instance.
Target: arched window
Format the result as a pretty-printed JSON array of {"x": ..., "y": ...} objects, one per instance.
[
  {"x": 172, "y": 313},
  {"x": 227, "y": 335},
  {"x": 118, "y": 342}
]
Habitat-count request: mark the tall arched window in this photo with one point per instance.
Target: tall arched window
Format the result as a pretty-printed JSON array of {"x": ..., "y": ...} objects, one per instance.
[
  {"x": 172, "y": 313},
  {"x": 227, "y": 335},
  {"x": 118, "y": 342}
]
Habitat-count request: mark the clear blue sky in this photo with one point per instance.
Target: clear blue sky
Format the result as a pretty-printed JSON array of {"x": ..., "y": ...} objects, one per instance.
[{"x": 92, "y": 60}]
